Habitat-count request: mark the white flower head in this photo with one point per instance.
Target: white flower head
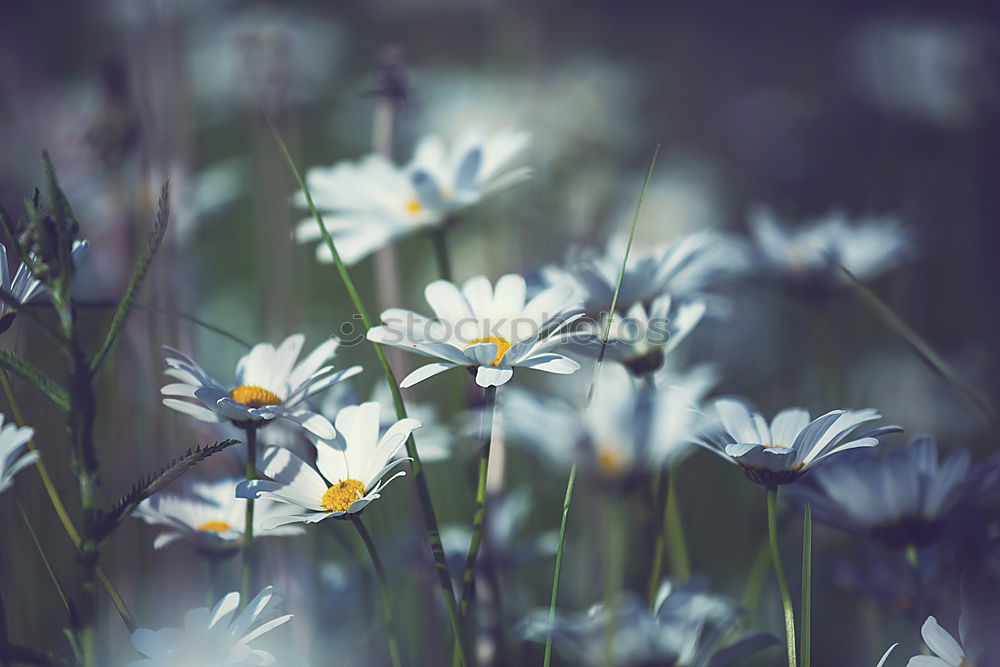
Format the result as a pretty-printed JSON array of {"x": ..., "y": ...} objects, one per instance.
[
  {"x": 626, "y": 431},
  {"x": 269, "y": 385},
  {"x": 785, "y": 450},
  {"x": 947, "y": 651},
  {"x": 370, "y": 203},
  {"x": 210, "y": 517},
  {"x": 14, "y": 454},
  {"x": 491, "y": 329},
  {"x": 805, "y": 258},
  {"x": 23, "y": 286},
  {"x": 349, "y": 469},
  {"x": 213, "y": 638}
]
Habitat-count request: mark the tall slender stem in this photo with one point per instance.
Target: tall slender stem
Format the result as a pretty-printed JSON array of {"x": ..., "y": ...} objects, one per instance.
[
  {"x": 786, "y": 599},
  {"x": 390, "y": 623},
  {"x": 439, "y": 235},
  {"x": 419, "y": 476},
  {"x": 570, "y": 483},
  {"x": 246, "y": 579},
  {"x": 806, "y": 621},
  {"x": 60, "y": 507},
  {"x": 680, "y": 562}
]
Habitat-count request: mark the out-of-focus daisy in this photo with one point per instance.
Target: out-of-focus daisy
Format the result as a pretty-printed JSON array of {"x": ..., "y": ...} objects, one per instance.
[
  {"x": 216, "y": 638},
  {"x": 947, "y": 651},
  {"x": 900, "y": 499},
  {"x": 627, "y": 430},
  {"x": 792, "y": 444},
  {"x": 805, "y": 259},
  {"x": 13, "y": 451},
  {"x": 269, "y": 385},
  {"x": 23, "y": 286},
  {"x": 491, "y": 329},
  {"x": 349, "y": 469},
  {"x": 371, "y": 203},
  {"x": 686, "y": 626},
  {"x": 209, "y": 516},
  {"x": 682, "y": 268}
]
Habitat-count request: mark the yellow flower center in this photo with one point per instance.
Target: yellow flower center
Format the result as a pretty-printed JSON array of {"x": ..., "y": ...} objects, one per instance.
[
  {"x": 340, "y": 496},
  {"x": 214, "y": 527},
  {"x": 414, "y": 206},
  {"x": 610, "y": 462},
  {"x": 965, "y": 663},
  {"x": 253, "y": 396},
  {"x": 773, "y": 446},
  {"x": 502, "y": 346}
]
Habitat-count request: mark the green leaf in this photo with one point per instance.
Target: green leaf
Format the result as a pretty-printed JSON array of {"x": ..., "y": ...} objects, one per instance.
[
  {"x": 108, "y": 521},
  {"x": 138, "y": 275},
  {"x": 60, "y": 204},
  {"x": 919, "y": 345},
  {"x": 29, "y": 373}
]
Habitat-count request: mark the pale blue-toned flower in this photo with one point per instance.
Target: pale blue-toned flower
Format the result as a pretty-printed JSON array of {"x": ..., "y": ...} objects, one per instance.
[
  {"x": 627, "y": 429},
  {"x": 492, "y": 329},
  {"x": 686, "y": 627},
  {"x": 214, "y": 638},
  {"x": 805, "y": 259},
  {"x": 792, "y": 444},
  {"x": 370, "y": 203},
  {"x": 349, "y": 469},
  {"x": 947, "y": 651},
  {"x": 14, "y": 454},
  {"x": 210, "y": 517},
  {"x": 900, "y": 499},
  {"x": 23, "y": 286},
  {"x": 269, "y": 385}
]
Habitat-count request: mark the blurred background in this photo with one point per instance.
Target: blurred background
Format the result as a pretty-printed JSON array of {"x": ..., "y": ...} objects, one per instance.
[{"x": 868, "y": 108}]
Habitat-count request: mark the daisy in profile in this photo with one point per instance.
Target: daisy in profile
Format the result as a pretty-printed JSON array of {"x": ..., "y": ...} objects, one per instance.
[
  {"x": 626, "y": 432},
  {"x": 903, "y": 498},
  {"x": 210, "y": 517},
  {"x": 805, "y": 259},
  {"x": 214, "y": 638},
  {"x": 947, "y": 651},
  {"x": 23, "y": 286},
  {"x": 269, "y": 385},
  {"x": 686, "y": 627},
  {"x": 14, "y": 454},
  {"x": 371, "y": 203},
  {"x": 349, "y": 472},
  {"x": 792, "y": 444},
  {"x": 488, "y": 329}
]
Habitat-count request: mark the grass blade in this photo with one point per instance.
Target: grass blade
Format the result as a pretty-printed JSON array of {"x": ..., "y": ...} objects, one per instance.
[
  {"x": 919, "y": 345},
  {"x": 568, "y": 498}
]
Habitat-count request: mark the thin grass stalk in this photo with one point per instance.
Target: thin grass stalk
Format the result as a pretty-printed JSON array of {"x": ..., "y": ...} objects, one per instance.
[
  {"x": 383, "y": 582},
  {"x": 248, "y": 565},
  {"x": 419, "y": 476},
  {"x": 590, "y": 395},
  {"x": 60, "y": 507},
  {"x": 806, "y": 621},
  {"x": 779, "y": 574}
]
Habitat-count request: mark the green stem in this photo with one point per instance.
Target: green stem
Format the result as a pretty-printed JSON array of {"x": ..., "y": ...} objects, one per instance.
[
  {"x": 786, "y": 599},
  {"x": 677, "y": 552},
  {"x": 419, "y": 476},
  {"x": 439, "y": 235},
  {"x": 806, "y": 622},
  {"x": 614, "y": 572},
  {"x": 249, "y": 554},
  {"x": 558, "y": 567},
  {"x": 660, "y": 543},
  {"x": 390, "y": 623}
]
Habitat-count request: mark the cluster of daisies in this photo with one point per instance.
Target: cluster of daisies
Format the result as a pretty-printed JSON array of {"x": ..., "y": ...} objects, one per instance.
[{"x": 645, "y": 416}]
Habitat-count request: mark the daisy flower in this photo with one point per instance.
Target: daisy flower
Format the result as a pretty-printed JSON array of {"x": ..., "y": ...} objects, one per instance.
[
  {"x": 209, "y": 516},
  {"x": 269, "y": 385},
  {"x": 216, "y": 638},
  {"x": 626, "y": 431},
  {"x": 900, "y": 499},
  {"x": 792, "y": 444},
  {"x": 370, "y": 203},
  {"x": 947, "y": 651},
  {"x": 349, "y": 469},
  {"x": 24, "y": 286},
  {"x": 13, "y": 451},
  {"x": 804, "y": 259},
  {"x": 685, "y": 627},
  {"x": 482, "y": 327}
]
